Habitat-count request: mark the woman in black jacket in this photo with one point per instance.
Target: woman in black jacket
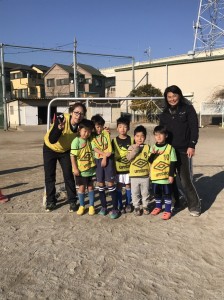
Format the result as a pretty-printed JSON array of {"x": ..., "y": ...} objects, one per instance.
[{"x": 181, "y": 122}]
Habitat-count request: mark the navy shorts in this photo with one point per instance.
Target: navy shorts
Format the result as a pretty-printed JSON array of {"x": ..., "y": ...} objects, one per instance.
[
  {"x": 161, "y": 189},
  {"x": 86, "y": 181},
  {"x": 105, "y": 174}
]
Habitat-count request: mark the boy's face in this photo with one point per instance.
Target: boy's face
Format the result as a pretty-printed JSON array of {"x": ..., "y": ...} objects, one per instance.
[
  {"x": 139, "y": 138},
  {"x": 160, "y": 138},
  {"x": 98, "y": 128},
  {"x": 122, "y": 129},
  {"x": 84, "y": 133}
]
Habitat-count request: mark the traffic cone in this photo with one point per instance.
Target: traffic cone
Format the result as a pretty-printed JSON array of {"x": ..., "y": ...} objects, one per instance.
[{"x": 3, "y": 199}]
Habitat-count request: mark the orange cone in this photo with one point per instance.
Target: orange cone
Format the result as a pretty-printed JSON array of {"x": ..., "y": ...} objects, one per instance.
[{"x": 3, "y": 199}]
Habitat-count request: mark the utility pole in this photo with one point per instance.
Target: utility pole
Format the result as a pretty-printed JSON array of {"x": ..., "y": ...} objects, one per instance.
[
  {"x": 3, "y": 88},
  {"x": 75, "y": 68}
]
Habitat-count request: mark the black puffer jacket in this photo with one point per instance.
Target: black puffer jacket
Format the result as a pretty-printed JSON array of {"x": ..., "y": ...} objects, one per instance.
[{"x": 182, "y": 125}]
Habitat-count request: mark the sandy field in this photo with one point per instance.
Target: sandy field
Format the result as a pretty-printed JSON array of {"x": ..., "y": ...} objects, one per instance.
[{"x": 60, "y": 255}]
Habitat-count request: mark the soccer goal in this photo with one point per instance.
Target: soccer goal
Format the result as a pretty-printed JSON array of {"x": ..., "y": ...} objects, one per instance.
[{"x": 209, "y": 111}]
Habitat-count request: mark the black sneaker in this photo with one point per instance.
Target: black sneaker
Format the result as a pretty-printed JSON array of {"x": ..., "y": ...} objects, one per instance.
[
  {"x": 50, "y": 207},
  {"x": 137, "y": 211},
  {"x": 128, "y": 208},
  {"x": 73, "y": 207}
]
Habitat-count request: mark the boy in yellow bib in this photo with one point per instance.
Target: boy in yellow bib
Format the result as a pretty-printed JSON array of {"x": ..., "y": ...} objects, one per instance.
[
  {"x": 138, "y": 155},
  {"x": 163, "y": 162},
  {"x": 83, "y": 165}
]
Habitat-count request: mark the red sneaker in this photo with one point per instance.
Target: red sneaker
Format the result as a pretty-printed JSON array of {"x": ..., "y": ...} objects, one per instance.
[
  {"x": 156, "y": 211},
  {"x": 166, "y": 215}
]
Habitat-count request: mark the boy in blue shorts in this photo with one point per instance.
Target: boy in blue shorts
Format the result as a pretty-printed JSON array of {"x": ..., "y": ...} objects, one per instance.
[
  {"x": 105, "y": 170},
  {"x": 120, "y": 146},
  {"x": 163, "y": 163},
  {"x": 83, "y": 165}
]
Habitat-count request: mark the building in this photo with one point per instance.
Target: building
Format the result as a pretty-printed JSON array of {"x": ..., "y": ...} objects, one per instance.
[{"x": 200, "y": 76}]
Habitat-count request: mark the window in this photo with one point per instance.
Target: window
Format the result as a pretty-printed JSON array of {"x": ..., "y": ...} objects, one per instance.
[
  {"x": 11, "y": 110},
  {"x": 16, "y": 75},
  {"x": 22, "y": 93},
  {"x": 50, "y": 82},
  {"x": 88, "y": 80},
  {"x": 63, "y": 81},
  {"x": 98, "y": 82},
  {"x": 33, "y": 91}
]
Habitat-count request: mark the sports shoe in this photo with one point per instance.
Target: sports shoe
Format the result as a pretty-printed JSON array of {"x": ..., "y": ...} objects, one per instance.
[
  {"x": 137, "y": 211},
  {"x": 195, "y": 213},
  {"x": 91, "y": 210},
  {"x": 145, "y": 210},
  {"x": 166, "y": 215},
  {"x": 114, "y": 214},
  {"x": 122, "y": 210},
  {"x": 156, "y": 211},
  {"x": 103, "y": 211},
  {"x": 128, "y": 208},
  {"x": 81, "y": 210},
  {"x": 73, "y": 207},
  {"x": 50, "y": 207}
]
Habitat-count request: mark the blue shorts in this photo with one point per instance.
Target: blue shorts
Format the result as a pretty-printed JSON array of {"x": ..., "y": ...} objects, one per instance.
[
  {"x": 107, "y": 173},
  {"x": 160, "y": 190}
]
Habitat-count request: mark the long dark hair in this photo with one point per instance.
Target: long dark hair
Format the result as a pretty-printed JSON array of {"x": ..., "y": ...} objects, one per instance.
[{"x": 175, "y": 90}]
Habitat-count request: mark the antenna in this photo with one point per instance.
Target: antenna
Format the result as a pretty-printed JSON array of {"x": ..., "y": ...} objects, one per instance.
[{"x": 209, "y": 27}]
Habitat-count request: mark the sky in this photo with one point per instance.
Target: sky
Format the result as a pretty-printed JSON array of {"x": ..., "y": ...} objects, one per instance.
[{"x": 161, "y": 28}]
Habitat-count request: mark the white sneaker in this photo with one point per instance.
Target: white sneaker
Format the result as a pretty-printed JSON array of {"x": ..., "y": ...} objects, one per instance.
[{"x": 195, "y": 213}]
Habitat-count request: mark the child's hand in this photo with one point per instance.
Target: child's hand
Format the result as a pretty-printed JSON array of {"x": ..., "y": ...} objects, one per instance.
[
  {"x": 107, "y": 129},
  {"x": 76, "y": 172},
  {"x": 170, "y": 179},
  {"x": 108, "y": 154},
  {"x": 104, "y": 161}
]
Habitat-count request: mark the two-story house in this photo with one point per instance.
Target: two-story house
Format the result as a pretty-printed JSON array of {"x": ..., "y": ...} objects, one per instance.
[
  {"x": 27, "y": 82},
  {"x": 59, "y": 81}
]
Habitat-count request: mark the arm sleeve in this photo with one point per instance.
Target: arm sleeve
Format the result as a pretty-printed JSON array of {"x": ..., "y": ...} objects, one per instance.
[
  {"x": 55, "y": 133},
  {"x": 133, "y": 151},
  {"x": 172, "y": 168},
  {"x": 193, "y": 125}
]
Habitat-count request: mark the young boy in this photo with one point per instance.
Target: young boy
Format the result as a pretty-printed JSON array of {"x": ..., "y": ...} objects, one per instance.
[
  {"x": 120, "y": 145},
  {"x": 163, "y": 160},
  {"x": 105, "y": 170},
  {"x": 138, "y": 155},
  {"x": 83, "y": 165}
]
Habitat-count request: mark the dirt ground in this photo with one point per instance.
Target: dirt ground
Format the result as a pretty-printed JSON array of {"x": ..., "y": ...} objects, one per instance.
[{"x": 60, "y": 255}]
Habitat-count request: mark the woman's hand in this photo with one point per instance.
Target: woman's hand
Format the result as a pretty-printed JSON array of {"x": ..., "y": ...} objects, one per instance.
[
  {"x": 170, "y": 179},
  {"x": 190, "y": 152},
  {"x": 61, "y": 125}
]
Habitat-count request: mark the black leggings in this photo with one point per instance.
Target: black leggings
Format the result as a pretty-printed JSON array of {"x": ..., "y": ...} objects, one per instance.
[{"x": 50, "y": 162}]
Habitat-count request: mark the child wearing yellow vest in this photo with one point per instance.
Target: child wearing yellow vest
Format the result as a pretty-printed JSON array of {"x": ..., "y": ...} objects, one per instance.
[
  {"x": 105, "y": 169},
  {"x": 163, "y": 162},
  {"x": 83, "y": 165},
  {"x": 138, "y": 155},
  {"x": 120, "y": 146}
]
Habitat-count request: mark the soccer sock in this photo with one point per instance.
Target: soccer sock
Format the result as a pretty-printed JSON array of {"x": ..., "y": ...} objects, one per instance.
[
  {"x": 119, "y": 198},
  {"x": 113, "y": 193},
  {"x": 81, "y": 199},
  {"x": 91, "y": 198},
  {"x": 168, "y": 203},
  {"x": 128, "y": 196},
  {"x": 158, "y": 203},
  {"x": 102, "y": 196}
]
